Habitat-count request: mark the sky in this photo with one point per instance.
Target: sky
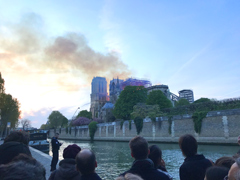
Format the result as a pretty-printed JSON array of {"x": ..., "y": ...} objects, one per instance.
[{"x": 51, "y": 50}]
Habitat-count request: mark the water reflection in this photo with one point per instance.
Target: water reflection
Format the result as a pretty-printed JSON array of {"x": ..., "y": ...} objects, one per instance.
[{"x": 115, "y": 157}]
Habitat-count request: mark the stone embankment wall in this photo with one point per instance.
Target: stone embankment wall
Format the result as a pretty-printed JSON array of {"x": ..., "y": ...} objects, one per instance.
[{"x": 219, "y": 127}]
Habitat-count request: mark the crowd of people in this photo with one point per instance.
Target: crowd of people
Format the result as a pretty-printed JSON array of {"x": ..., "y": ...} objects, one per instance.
[{"x": 16, "y": 162}]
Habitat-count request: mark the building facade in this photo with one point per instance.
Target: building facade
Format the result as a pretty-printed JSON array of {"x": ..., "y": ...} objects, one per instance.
[
  {"x": 186, "y": 94},
  {"x": 98, "y": 95},
  {"x": 115, "y": 89}
]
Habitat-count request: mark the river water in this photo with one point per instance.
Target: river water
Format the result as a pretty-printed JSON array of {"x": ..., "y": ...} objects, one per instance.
[{"x": 114, "y": 158}]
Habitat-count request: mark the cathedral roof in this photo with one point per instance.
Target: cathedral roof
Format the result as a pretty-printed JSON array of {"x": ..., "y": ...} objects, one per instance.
[{"x": 108, "y": 105}]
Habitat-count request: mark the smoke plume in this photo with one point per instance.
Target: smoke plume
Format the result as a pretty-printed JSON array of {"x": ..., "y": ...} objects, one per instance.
[{"x": 27, "y": 51}]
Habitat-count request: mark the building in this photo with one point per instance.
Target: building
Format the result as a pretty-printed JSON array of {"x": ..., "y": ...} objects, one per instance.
[
  {"x": 98, "y": 95},
  {"x": 106, "y": 113},
  {"x": 163, "y": 88},
  {"x": 186, "y": 94},
  {"x": 115, "y": 89}
]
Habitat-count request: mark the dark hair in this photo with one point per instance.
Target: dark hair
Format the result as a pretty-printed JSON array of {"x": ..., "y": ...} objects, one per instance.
[
  {"x": 23, "y": 167},
  {"x": 155, "y": 154},
  {"x": 139, "y": 147},
  {"x": 85, "y": 161},
  {"x": 216, "y": 173},
  {"x": 225, "y": 162},
  {"x": 18, "y": 136},
  {"x": 188, "y": 145}
]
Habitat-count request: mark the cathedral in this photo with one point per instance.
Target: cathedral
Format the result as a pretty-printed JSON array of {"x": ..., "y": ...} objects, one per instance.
[{"x": 115, "y": 89}]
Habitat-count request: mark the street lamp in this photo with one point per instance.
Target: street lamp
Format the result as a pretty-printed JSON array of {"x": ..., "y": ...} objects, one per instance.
[{"x": 75, "y": 112}]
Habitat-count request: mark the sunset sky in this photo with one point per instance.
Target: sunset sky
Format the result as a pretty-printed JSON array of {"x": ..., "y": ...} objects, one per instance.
[{"x": 51, "y": 50}]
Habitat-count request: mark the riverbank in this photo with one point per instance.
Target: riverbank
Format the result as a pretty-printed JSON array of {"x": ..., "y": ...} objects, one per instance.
[
  {"x": 218, "y": 127},
  {"x": 43, "y": 158}
]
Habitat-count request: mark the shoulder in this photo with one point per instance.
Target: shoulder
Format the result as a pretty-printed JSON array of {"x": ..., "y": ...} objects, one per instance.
[
  {"x": 162, "y": 175},
  {"x": 52, "y": 175}
]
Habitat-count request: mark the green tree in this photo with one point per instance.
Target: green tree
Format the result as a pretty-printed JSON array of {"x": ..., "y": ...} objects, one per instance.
[
  {"x": 129, "y": 97},
  {"x": 157, "y": 97},
  {"x": 202, "y": 100},
  {"x": 92, "y": 129},
  {"x": 9, "y": 110},
  {"x": 44, "y": 126},
  {"x": 2, "y": 90},
  {"x": 56, "y": 119},
  {"x": 182, "y": 102},
  {"x": 85, "y": 113},
  {"x": 142, "y": 110}
]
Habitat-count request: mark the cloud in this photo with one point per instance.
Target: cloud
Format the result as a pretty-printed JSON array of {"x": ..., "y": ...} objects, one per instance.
[
  {"x": 42, "y": 71},
  {"x": 27, "y": 50}
]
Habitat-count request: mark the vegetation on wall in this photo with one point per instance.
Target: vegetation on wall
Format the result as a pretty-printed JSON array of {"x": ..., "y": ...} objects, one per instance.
[
  {"x": 92, "y": 129},
  {"x": 139, "y": 124},
  {"x": 197, "y": 120},
  {"x": 66, "y": 130},
  {"x": 170, "y": 124},
  {"x": 121, "y": 124},
  {"x": 204, "y": 106},
  {"x": 130, "y": 124}
]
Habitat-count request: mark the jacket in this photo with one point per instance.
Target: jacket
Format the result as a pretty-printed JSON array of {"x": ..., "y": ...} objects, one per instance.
[
  {"x": 194, "y": 168},
  {"x": 145, "y": 169},
  {"x": 92, "y": 176},
  {"x": 10, "y": 150},
  {"x": 55, "y": 144},
  {"x": 66, "y": 171}
]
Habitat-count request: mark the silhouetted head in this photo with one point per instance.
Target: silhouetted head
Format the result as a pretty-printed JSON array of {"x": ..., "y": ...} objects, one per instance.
[
  {"x": 155, "y": 155},
  {"x": 71, "y": 151},
  {"x": 234, "y": 172},
  {"x": 188, "y": 145},
  {"x": 216, "y": 173},
  {"x": 139, "y": 147},
  {"x": 86, "y": 162},
  {"x": 18, "y": 136},
  {"x": 23, "y": 167},
  {"x": 225, "y": 162},
  {"x": 56, "y": 135}
]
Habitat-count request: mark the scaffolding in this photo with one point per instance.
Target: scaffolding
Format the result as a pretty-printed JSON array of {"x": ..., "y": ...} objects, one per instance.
[{"x": 135, "y": 82}]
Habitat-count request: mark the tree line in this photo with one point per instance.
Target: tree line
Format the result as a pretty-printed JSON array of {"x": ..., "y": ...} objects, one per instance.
[{"x": 10, "y": 108}]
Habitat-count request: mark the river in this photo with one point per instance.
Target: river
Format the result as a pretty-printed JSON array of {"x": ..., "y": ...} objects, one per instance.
[{"x": 114, "y": 158}]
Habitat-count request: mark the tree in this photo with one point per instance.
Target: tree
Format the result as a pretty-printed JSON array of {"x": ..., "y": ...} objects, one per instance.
[
  {"x": 142, "y": 110},
  {"x": 157, "y": 97},
  {"x": 85, "y": 113},
  {"x": 2, "y": 90},
  {"x": 25, "y": 123},
  {"x": 9, "y": 107},
  {"x": 182, "y": 102},
  {"x": 80, "y": 121},
  {"x": 129, "y": 97},
  {"x": 202, "y": 100},
  {"x": 9, "y": 110},
  {"x": 56, "y": 119},
  {"x": 44, "y": 126}
]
